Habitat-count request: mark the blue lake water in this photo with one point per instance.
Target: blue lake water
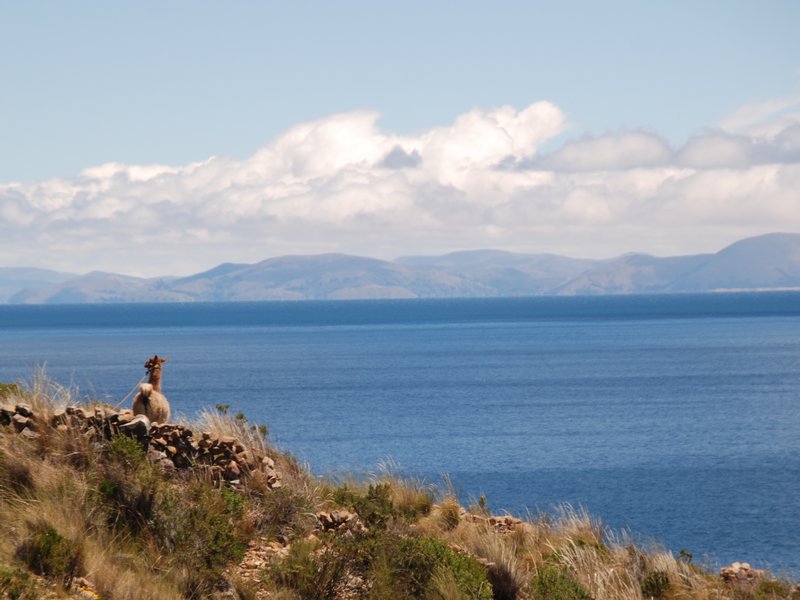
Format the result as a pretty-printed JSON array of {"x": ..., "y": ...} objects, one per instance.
[{"x": 675, "y": 416}]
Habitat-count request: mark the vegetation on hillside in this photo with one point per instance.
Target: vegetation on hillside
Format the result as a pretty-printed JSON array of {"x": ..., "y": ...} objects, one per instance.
[{"x": 88, "y": 516}]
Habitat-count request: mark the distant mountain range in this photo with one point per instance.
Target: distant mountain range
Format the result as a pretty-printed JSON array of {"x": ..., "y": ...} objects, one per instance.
[{"x": 766, "y": 262}]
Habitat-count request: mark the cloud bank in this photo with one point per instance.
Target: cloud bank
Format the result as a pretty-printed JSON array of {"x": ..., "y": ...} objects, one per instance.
[{"x": 342, "y": 184}]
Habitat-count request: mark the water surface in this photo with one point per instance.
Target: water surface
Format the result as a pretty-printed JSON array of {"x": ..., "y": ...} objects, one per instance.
[{"x": 675, "y": 416}]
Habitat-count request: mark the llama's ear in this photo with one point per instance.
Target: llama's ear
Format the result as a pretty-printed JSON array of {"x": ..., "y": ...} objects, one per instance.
[{"x": 165, "y": 359}]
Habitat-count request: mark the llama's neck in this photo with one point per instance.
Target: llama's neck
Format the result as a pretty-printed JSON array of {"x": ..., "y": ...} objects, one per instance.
[{"x": 155, "y": 380}]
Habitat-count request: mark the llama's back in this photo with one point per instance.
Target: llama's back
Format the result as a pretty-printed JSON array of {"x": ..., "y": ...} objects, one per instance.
[{"x": 152, "y": 404}]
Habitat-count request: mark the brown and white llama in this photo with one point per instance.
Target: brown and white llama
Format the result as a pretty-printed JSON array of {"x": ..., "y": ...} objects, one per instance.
[{"x": 150, "y": 401}]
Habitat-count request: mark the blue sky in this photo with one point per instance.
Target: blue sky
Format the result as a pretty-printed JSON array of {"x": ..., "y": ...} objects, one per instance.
[
  {"x": 85, "y": 84},
  {"x": 92, "y": 82}
]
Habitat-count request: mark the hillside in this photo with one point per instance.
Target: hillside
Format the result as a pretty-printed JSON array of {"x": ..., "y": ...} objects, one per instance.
[
  {"x": 97, "y": 503},
  {"x": 766, "y": 262},
  {"x": 13, "y": 280}
]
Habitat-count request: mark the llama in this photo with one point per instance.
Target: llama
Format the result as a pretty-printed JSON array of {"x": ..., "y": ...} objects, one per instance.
[{"x": 150, "y": 401}]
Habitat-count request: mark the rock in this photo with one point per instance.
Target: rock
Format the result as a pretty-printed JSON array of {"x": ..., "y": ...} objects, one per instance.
[
  {"x": 156, "y": 455},
  {"x": 336, "y": 519},
  {"x": 20, "y": 422},
  {"x": 59, "y": 418},
  {"x": 739, "y": 571},
  {"x": 124, "y": 418},
  {"x": 232, "y": 471},
  {"x": 24, "y": 409},
  {"x": 29, "y": 434},
  {"x": 138, "y": 427},
  {"x": 84, "y": 589},
  {"x": 5, "y": 416}
]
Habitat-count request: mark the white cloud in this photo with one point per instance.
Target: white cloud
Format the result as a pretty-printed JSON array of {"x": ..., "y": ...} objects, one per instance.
[
  {"x": 341, "y": 183},
  {"x": 717, "y": 150},
  {"x": 611, "y": 152},
  {"x": 751, "y": 116}
]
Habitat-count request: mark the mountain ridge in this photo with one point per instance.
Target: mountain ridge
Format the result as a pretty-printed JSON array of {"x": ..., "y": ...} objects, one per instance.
[{"x": 770, "y": 261}]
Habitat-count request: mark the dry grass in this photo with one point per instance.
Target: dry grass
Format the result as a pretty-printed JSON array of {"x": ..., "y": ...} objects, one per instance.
[
  {"x": 45, "y": 395},
  {"x": 61, "y": 482}
]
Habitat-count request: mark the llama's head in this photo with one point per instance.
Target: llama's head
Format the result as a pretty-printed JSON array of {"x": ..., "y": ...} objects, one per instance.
[{"x": 154, "y": 364}]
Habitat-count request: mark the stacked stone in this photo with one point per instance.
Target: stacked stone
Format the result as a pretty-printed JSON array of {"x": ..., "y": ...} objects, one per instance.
[
  {"x": 98, "y": 422},
  {"x": 226, "y": 458},
  {"x": 339, "y": 519},
  {"x": 22, "y": 419},
  {"x": 503, "y": 524},
  {"x": 741, "y": 572},
  {"x": 170, "y": 446}
]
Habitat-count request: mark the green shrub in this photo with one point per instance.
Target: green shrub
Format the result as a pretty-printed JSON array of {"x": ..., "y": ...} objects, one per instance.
[
  {"x": 47, "y": 553},
  {"x": 655, "y": 584},
  {"x": 200, "y": 527},
  {"x": 9, "y": 390},
  {"x": 375, "y": 507},
  {"x": 16, "y": 584},
  {"x": 405, "y": 566},
  {"x": 551, "y": 583},
  {"x": 126, "y": 451},
  {"x": 128, "y": 498},
  {"x": 310, "y": 573},
  {"x": 283, "y": 512}
]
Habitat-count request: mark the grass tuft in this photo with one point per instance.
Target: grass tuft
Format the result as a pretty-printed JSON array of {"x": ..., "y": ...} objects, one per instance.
[{"x": 48, "y": 553}]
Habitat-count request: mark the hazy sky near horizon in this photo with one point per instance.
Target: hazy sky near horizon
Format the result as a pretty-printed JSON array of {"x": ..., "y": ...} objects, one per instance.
[{"x": 153, "y": 138}]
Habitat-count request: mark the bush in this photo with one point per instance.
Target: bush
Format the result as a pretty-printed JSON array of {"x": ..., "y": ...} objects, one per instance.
[
  {"x": 47, "y": 553},
  {"x": 405, "y": 567},
  {"x": 126, "y": 451},
  {"x": 310, "y": 573},
  {"x": 201, "y": 527},
  {"x": 375, "y": 507},
  {"x": 16, "y": 584},
  {"x": 655, "y": 584},
  {"x": 128, "y": 497},
  {"x": 282, "y": 512},
  {"x": 9, "y": 390},
  {"x": 550, "y": 583}
]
